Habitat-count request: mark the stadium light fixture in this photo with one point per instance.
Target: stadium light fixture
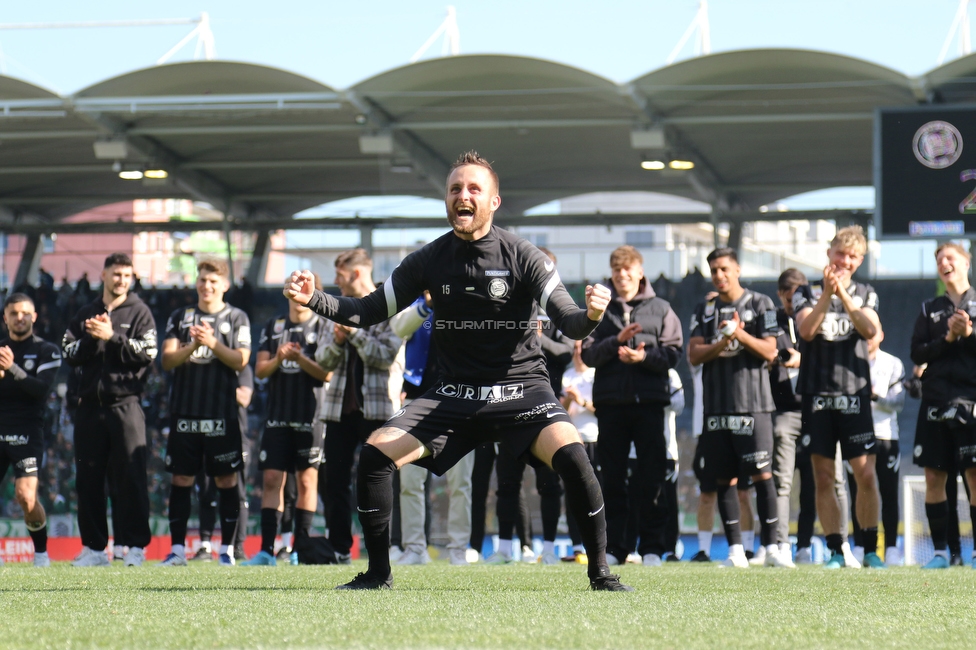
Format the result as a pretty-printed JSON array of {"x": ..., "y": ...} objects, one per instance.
[
  {"x": 681, "y": 165},
  {"x": 652, "y": 165},
  {"x": 156, "y": 173},
  {"x": 131, "y": 174}
]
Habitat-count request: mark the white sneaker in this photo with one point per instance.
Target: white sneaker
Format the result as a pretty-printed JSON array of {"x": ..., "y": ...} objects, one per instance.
[
  {"x": 498, "y": 558},
  {"x": 759, "y": 558},
  {"x": 458, "y": 557},
  {"x": 652, "y": 559},
  {"x": 738, "y": 561},
  {"x": 134, "y": 557},
  {"x": 548, "y": 558},
  {"x": 778, "y": 560},
  {"x": 634, "y": 558},
  {"x": 412, "y": 556},
  {"x": 395, "y": 554},
  {"x": 88, "y": 557},
  {"x": 472, "y": 556},
  {"x": 804, "y": 555},
  {"x": 118, "y": 553},
  {"x": 850, "y": 560},
  {"x": 894, "y": 556},
  {"x": 173, "y": 560},
  {"x": 528, "y": 555},
  {"x": 41, "y": 560}
]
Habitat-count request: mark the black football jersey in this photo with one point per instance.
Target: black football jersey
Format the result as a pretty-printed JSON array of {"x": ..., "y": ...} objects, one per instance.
[
  {"x": 291, "y": 395},
  {"x": 835, "y": 362},
  {"x": 204, "y": 386},
  {"x": 22, "y": 399},
  {"x": 738, "y": 380}
]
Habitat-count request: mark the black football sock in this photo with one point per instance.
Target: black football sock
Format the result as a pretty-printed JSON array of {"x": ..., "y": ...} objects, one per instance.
[
  {"x": 767, "y": 510},
  {"x": 728, "y": 509},
  {"x": 230, "y": 511},
  {"x": 375, "y": 493},
  {"x": 835, "y": 542},
  {"x": 38, "y": 533},
  {"x": 269, "y": 529},
  {"x": 303, "y": 522},
  {"x": 869, "y": 537},
  {"x": 938, "y": 516},
  {"x": 585, "y": 499},
  {"x": 179, "y": 513}
]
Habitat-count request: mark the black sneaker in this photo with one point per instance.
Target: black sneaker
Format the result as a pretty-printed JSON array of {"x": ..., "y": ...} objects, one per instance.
[
  {"x": 701, "y": 556},
  {"x": 284, "y": 554},
  {"x": 366, "y": 581},
  {"x": 672, "y": 558},
  {"x": 239, "y": 553},
  {"x": 202, "y": 555},
  {"x": 608, "y": 582},
  {"x": 344, "y": 558},
  {"x": 956, "y": 560},
  {"x": 750, "y": 555}
]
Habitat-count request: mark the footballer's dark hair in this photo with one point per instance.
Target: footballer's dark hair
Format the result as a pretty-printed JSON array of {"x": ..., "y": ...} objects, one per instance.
[
  {"x": 790, "y": 279},
  {"x": 117, "y": 259},
  {"x": 14, "y": 298},
  {"x": 725, "y": 251}
]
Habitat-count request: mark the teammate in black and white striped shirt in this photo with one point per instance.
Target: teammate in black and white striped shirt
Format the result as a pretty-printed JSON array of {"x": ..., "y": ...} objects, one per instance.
[
  {"x": 835, "y": 318},
  {"x": 206, "y": 346}
]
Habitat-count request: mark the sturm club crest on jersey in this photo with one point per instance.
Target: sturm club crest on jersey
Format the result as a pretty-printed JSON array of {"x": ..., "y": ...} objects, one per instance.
[
  {"x": 937, "y": 145},
  {"x": 497, "y": 288}
]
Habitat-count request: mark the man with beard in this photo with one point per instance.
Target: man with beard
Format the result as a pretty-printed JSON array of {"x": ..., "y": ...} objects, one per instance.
[
  {"x": 484, "y": 283},
  {"x": 835, "y": 318},
  {"x": 28, "y": 365},
  {"x": 112, "y": 341}
]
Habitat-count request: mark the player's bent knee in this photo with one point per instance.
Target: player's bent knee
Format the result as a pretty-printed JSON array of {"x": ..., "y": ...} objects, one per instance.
[
  {"x": 226, "y": 481},
  {"x": 397, "y": 445},
  {"x": 373, "y": 462}
]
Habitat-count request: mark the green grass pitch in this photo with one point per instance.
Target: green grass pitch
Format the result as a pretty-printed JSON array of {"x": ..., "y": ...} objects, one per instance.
[{"x": 515, "y": 606}]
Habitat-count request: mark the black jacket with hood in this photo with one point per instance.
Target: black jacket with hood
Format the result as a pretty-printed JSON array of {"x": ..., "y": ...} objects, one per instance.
[
  {"x": 114, "y": 369},
  {"x": 619, "y": 383}
]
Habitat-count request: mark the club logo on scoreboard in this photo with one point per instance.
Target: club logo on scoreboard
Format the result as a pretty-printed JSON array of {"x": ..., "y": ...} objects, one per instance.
[{"x": 937, "y": 144}]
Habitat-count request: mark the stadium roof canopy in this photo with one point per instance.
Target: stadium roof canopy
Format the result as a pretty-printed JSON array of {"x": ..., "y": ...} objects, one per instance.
[{"x": 263, "y": 144}]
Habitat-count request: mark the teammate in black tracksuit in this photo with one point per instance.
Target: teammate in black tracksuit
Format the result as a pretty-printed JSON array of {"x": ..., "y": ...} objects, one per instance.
[
  {"x": 28, "y": 365},
  {"x": 112, "y": 341},
  {"x": 484, "y": 284}
]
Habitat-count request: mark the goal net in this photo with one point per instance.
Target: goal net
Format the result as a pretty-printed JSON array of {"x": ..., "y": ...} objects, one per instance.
[{"x": 918, "y": 540}]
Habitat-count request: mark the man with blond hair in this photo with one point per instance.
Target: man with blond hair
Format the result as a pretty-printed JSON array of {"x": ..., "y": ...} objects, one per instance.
[
  {"x": 835, "y": 317},
  {"x": 943, "y": 339}
]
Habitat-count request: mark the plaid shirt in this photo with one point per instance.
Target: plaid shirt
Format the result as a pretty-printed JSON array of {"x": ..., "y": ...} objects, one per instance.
[{"x": 382, "y": 353}]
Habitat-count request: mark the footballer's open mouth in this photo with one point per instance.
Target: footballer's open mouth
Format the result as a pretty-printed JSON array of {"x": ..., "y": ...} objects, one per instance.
[
  {"x": 947, "y": 271},
  {"x": 464, "y": 211}
]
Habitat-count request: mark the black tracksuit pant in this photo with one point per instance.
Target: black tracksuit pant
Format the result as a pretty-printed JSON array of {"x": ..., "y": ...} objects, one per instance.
[
  {"x": 111, "y": 440},
  {"x": 642, "y": 424}
]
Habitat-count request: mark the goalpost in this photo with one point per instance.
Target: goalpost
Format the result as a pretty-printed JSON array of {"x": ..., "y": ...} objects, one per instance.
[{"x": 918, "y": 541}]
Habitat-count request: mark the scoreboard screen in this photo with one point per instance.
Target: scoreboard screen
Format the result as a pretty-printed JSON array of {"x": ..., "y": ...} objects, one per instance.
[{"x": 925, "y": 172}]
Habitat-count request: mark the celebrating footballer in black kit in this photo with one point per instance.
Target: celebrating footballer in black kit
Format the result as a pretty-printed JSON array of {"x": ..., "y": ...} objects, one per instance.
[
  {"x": 733, "y": 338},
  {"x": 290, "y": 442},
  {"x": 28, "y": 365},
  {"x": 835, "y": 318},
  {"x": 205, "y": 346},
  {"x": 484, "y": 283},
  {"x": 944, "y": 341}
]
